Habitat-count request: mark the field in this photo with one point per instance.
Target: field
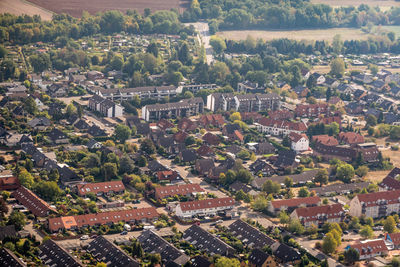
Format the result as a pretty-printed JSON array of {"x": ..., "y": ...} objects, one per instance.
[
  {"x": 75, "y": 7},
  {"x": 19, "y": 7},
  {"x": 323, "y": 34}
]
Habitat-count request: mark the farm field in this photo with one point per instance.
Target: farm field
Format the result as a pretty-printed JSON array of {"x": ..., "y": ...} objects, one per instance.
[
  {"x": 20, "y": 7},
  {"x": 319, "y": 34},
  {"x": 75, "y": 7}
]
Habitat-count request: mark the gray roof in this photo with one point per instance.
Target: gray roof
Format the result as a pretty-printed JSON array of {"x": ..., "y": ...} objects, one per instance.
[{"x": 297, "y": 178}]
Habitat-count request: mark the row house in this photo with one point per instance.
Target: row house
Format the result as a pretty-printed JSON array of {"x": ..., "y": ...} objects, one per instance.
[
  {"x": 197, "y": 87},
  {"x": 8, "y": 258},
  {"x": 32, "y": 202},
  {"x": 280, "y": 127},
  {"x": 312, "y": 110},
  {"x": 376, "y": 205},
  {"x": 149, "y": 92},
  {"x": 162, "y": 192},
  {"x": 183, "y": 108},
  {"x": 259, "y": 258},
  {"x": 370, "y": 249},
  {"x": 328, "y": 152},
  {"x": 103, "y": 188},
  {"x": 351, "y": 138},
  {"x": 215, "y": 120},
  {"x": 101, "y": 218},
  {"x": 94, "y": 75},
  {"x": 318, "y": 215},
  {"x": 325, "y": 140},
  {"x": 389, "y": 183},
  {"x": 204, "y": 207},
  {"x": 289, "y": 205},
  {"x": 249, "y": 235},
  {"x": 393, "y": 239},
  {"x": 243, "y": 103},
  {"x": 105, "y": 106},
  {"x": 51, "y": 254},
  {"x": 250, "y": 87},
  {"x": 339, "y": 189}
]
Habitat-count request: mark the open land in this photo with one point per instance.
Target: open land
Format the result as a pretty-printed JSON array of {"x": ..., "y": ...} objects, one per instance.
[
  {"x": 20, "y": 7},
  {"x": 75, "y": 7}
]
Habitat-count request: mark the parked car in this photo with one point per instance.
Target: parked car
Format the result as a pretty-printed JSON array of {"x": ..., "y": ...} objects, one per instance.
[
  {"x": 84, "y": 237},
  {"x": 124, "y": 233}
]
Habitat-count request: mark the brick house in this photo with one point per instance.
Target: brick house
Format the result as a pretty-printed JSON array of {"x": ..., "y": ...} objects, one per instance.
[{"x": 318, "y": 215}]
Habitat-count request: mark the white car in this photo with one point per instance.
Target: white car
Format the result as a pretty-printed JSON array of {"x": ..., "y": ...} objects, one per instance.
[{"x": 84, "y": 237}]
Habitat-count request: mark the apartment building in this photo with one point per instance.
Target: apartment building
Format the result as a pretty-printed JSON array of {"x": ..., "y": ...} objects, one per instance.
[
  {"x": 204, "y": 207},
  {"x": 105, "y": 106},
  {"x": 276, "y": 206},
  {"x": 243, "y": 103},
  {"x": 183, "y": 108},
  {"x": 370, "y": 248},
  {"x": 280, "y": 127},
  {"x": 375, "y": 205},
  {"x": 311, "y": 110},
  {"x": 318, "y": 215},
  {"x": 152, "y": 92}
]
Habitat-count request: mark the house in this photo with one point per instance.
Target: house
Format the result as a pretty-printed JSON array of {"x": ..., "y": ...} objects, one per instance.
[
  {"x": 200, "y": 261},
  {"x": 339, "y": 189},
  {"x": 188, "y": 155},
  {"x": 180, "y": 137},
  {"x": 289, "y": 205},
  {"x": 57, "y": 137},
  {"x": 394, "y": 172},
  {"x": 280, "y": 127},
  {"x": 336, "y": 101},
  {"x": 389, "y": 183},
  {"x": 301, "y": 91},
  {"x": 152, "y": 243},
  {"x": 233, "y": 132},
  {"x": 318, "y": 215},
  {"x": 299, "y": 142},
  {"x": 205, "y": 241},
  {"x": 363, "y": 78},
  {"x": 354, "y": 108},
  {"x": 249, "y": 87},
  {"x": 168, "y": 175},
  {"x": 9, "y": 182},
  {"x": 81, "y": 125},
  {"x": 7, "y": 231},
  {"x": 188, "y": 190},
  {"x": 281, "y": 115},
  {"x": 393, "y": 238},
  {"x": 93, "y": 144},
  {"x": 96, "y": 131},
  {"x": 370, "y": 249},
  {"x": 51, "y": 254},
  {"x": 325, "y": 140},
  {"x": 131, "y": 216},
  {"x": 350, "y": 138},
  {"x": 376, "y": 205},
  {"x": 9, "y": 259},
  {"x": 204, "y": 207},
  {"x": 319, "y": 78},
  {"x": 311, "y": 110},
  {"x": 285, "y": 254},
  {"x": 187, "y": 125},
  {"x": 212, "y": 120},
  {"x": 250, "y": 117},
  {"x": 249, "y": 235},
  {"x": 261, "y": 166},
  {"x": 105, "y": 106},
  {"x": 259, "y": 258},
  {"x": 239, "y": 186},
  {"x": 205, "y": 151},
  {"x": 32, "y": 202},
  {"x": 344, "y": 152},
  {"x": 40, "y": 123},
  {"x": 183, "y": 108},
  {"x": 106, "y": 251},
  {"x": 265, "y": 148},
  {"x": 103, "y": 188},
  {"x": 204, "y": 166},
  {"x": 94, "y": 75},
  {"x": 359, "y": 94},
  {"x": 286, "y": 159}
]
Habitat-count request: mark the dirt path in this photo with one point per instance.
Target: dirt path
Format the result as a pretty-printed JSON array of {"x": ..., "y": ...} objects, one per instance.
[{"x": 20, "y": 7}]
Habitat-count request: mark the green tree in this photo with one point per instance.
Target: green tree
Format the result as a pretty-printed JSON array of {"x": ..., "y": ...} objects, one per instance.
[
  {"x": 40, "y": 62},
  {"x": 48, "y": 190},
  {"x": 371, "y": 120},
  {"x": 389, "y": 225},
  {"x": 126, "y": 165},
  {"x": 148, "y": 146},
  {"x": 25, "y": 178},
  {"x": 235, "y": 116},
  {"x": 122, "y": 133},
  {"x": 303, "y": 192},
  {"x": 284, "y": 217},
  {"x": 18, "y": 219},
  {"x": 345, "y": 172},
  {"x": 329, "y": 244},
  {"x": 337, "y": 67},
  {"x": 296, "y": 227},
  {"x": 367, "y": 232},
  {"x": 3, "y": 51},
  {"x": 321, "y": 177},
  {"x": 71, "y": 110},
  {"x": 271, "y": 187},
  {"x": 260, "y": 203},
  {"x": 7, "y": 70},
  {"x": 351, "y": 255},
  {"x": 54, "y": 175},
  {"x": 224, "y": 262},
  {"x": 30, "y": 106},
  {"x": 218, "y": 44},
  {"x": 109, "y": 171},
  {"x": 288, "y": 182},
  {"x": 337, "y": 44},
  {"x": 362, "y": 171}
]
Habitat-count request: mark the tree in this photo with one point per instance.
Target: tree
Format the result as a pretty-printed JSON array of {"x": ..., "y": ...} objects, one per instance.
[
  {"x": 362, "y": 171},
  {"x": 54, "y": 175},
  {"x": 260, "y": 203},
  {"x": 351, "y": 255},
  {"x": 373, "y": 68},
  {"x": 321, "y": 177},
  {"x": 235, "y": 116},
  {"x": 337, "y": 67},
  {"x": 137, "y": 250},
  {"x": 111, "y": 21},
  {"x": 148, "y": 146},
  {"x": 110, "y": 171},
  {"x": 284, "y": 217},
  {"x": 40, "y": 62},
  {"x": 7, "y": 70},
  {"x": 218, "y": 44},
  {"x": 303, "y": 192},
  {"x": 271, "y": 187},
  {"x": 296, "y": 227},
  {"x": 18, "y": 219},
  {"x": 3, "y": 207},
  {"x": 92, "y": 160},
  {"x": 122, "y": 133},
  {"x": 3, "y": 51},
  {"x": 25, "y": 178},
  {"x": 371, "y": 120},
  {"x": 71, "y": 110},
  {"x": 224, "y": 261},
  {"x": 288, "y": 182},
  {"x": 126, "y": 165},
  {"x": 389, "y": 225},
  {"x": 345, "y": 172},
  {"x": 48, "y": 190},
  {"x": 243, "y": 154},
  {"x": 329, "y": 244},
  {"x": 30, "y": 106},
  {"x": 337, "y": 44},
  {"x": 367, "y": 232}
]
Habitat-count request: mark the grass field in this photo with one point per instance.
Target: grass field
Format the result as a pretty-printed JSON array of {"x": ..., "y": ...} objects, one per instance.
[{"x": 20, "y": 7}]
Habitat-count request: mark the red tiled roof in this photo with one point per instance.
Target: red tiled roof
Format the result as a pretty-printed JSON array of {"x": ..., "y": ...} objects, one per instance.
[
  {"x": 351, "y": 138},
  {"x": 295, "y": 202},
  {"x": 207, "y": 203},
  {"x": 329, "y": 120},
  {"x": 395, "y": 237},
  {"x": 238, "y": 135},
  {"x": 180, "y": 136},
  {"x": 213, "y": 119},
  {"x": 32, "y": 202},
  {"x": 390, "y": 183},
  {"x": 294, "y": 126},
  {"x": 370, "y": 247},
  {"x": 371, "y": 199},
  {"x": 312, "y": 213},
  {"x": 9, "y": 183},
  {"x": 325, "y": 140},
  {"x": 167, "y": 175},
  {"x": 103, "y": 187},
  {"x": 212, "y": 139},
  {"x": 102, "y": 218},
  {"x": 205, "y": 150},
  {"x": 180, "y": 190},
  {"x": 295, "y": 137}
]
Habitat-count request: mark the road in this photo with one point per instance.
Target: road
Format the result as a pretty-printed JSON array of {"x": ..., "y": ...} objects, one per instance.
[{"x": 204, "y": 37}]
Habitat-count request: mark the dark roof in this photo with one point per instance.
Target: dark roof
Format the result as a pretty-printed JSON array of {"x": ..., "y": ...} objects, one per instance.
[
  {"x": 285, "y": 159},
  {"x": 153, "y": 243},
  {"x": 142, "y": 128},
  {"x": 188, "y": 155},
  {"x": 56, "y": 134},
  {"x": 54, "y": 255},
  {"x": 91, "y": 143},
  {"x": 41, "y": 121},
  {"x": 260, "y": 165},
  {"x": 205, "y": 241},
  {"x": 155, "y": 166},
  {"x": 258, "y": 257},
  {"x": 200, "y": 261},
  {"x": 205, "y": 164},
  {"x": 95, "y": 130},
  {"x": 67, "y": 175},
  {"x": 237, "y": 186},
  {"x": 29, "y": 149},
  {"x": 287, "y": 254},
  {"x": 9, "y": 259},
  {"x": 393, "y": 173},
  {"x": 390, "y": 183},
  {"x": 249, "y": 235},
  {"x": 81, "y": 125},
  {"x": 297, "y": 178},
  {"x": 231, "y": 128},
  {"x": 7, "y": 231},
  {"x": 32, "y": 202},
  {"x": 105, "y": 251},
  {"x": 339, "y": 188},
  {"x": 265, "y": 148}
]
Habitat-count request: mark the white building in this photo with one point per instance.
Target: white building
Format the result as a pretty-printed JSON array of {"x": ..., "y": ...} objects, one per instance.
[{"x": 300, "y": 142}]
